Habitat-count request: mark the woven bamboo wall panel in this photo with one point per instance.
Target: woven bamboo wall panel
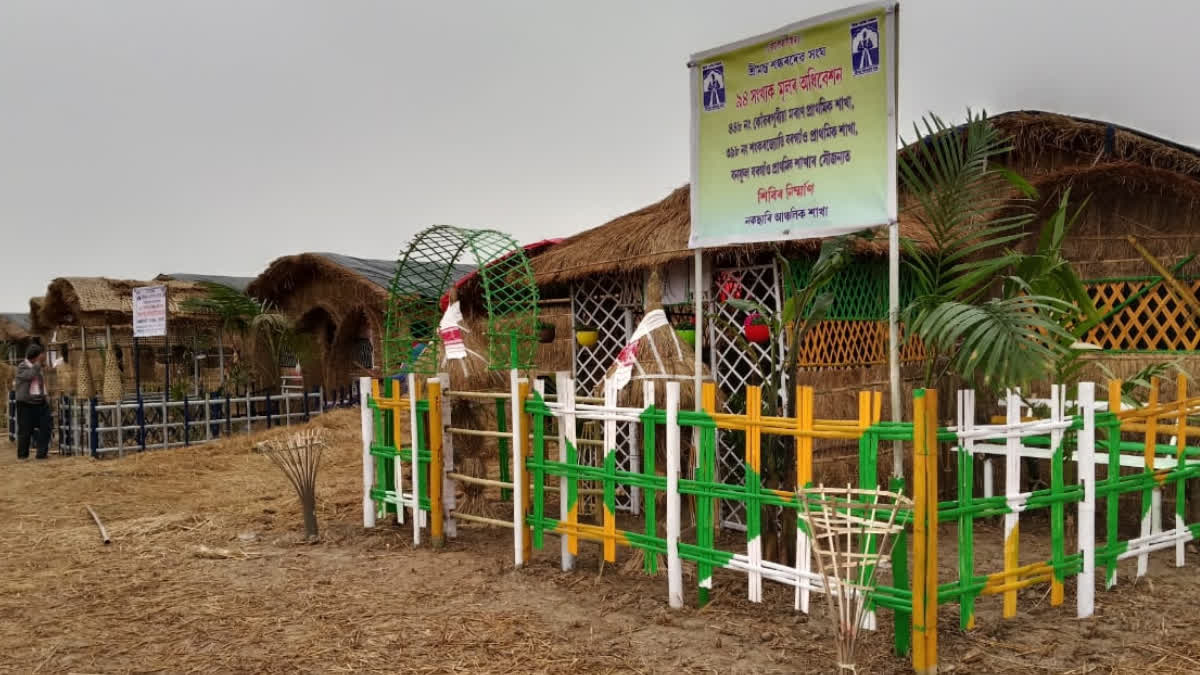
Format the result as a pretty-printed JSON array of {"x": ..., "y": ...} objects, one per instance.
[
  {"x": 1155, "y": 321},
  {"x": 841, "y": 343}
]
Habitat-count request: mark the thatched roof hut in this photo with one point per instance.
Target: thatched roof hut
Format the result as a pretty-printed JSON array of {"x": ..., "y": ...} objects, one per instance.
[
  {"x": 1135, "y": 183},
  {"x": 94, "y": 316},
  {"x": 14, "y": 326},
  {"x": 16, "y": 334},
  {"x": 339, "y": 300}
]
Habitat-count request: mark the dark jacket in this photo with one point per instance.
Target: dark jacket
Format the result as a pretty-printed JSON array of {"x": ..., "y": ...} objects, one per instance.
[{"x": 27, "y": 374}]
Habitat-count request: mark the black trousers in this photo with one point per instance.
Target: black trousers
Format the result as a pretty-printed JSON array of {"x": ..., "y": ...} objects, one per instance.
[{"x": 33, "y": 423}]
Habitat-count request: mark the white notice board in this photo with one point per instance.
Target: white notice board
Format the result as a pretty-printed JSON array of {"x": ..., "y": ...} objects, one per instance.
[{"x": 150, "y": 311}]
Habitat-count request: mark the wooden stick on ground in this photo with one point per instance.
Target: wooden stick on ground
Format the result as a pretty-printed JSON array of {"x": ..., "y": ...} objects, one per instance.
[{"x": 103, "y": 532}]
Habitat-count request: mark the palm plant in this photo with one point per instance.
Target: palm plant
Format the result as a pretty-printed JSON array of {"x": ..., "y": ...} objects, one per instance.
[
  {"x": 982, "y": 310},
  {"x": 258, "y": 322}
]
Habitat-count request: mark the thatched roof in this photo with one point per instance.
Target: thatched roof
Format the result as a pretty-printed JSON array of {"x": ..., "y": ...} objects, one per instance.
[
  {"x": 236, "y": 283},
  {"x": 14, "y": 326},
  {"x": 1051, "y": 149},
  {"x": 365, "y": 279},
  {"x": 96, "y": 301},
  {"x": 35, "y": 314},
  {"x": 1036, "y": 134},
  {"x": 658, "y": 235}
]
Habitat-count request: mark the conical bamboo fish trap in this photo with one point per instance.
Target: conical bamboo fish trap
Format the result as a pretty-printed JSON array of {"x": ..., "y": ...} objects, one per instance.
[
  {"x": 83, "y": 376},
  {"x": 113, "y": 388}
]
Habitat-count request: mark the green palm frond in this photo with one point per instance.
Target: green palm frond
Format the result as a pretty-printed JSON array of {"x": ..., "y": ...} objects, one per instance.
[
  {"x": 992, "y": 314},
  {"x": 1000, "y": 342}
]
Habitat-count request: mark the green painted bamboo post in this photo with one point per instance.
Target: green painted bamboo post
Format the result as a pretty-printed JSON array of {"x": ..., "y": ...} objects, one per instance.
[
  {"x": 502, "y": 426},
  {"x": 966, "y": 519}
]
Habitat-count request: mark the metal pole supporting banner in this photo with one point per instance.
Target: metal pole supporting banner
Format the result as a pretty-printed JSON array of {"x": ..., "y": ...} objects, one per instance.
[{"x": 893, "y": 243}]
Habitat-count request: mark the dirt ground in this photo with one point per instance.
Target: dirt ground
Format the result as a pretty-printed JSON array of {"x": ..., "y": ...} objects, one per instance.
[{"x": 367, "y": 601}]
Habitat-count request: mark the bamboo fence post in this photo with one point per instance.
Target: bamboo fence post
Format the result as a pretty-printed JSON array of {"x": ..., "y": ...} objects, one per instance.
[
  {"x": 1152, "y": 497},
  {"x": 1085, "y": 456},
  {"x": 368, "y": 432},
  {"x": 449, "y": 500},
  {"x": 674, "y": 565},
  {"x": 434, "y": 388},
  {"x": 415, "y": 471}
]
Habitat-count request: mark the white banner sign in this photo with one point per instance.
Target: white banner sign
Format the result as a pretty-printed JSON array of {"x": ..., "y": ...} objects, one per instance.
[{"x": 150, "y": 311}]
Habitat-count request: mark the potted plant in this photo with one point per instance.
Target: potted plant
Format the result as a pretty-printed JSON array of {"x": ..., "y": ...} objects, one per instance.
[
  {"x": 756, "y": 328},
  {"x": 685, "y": 328},
  {"x": 545, "y": 332},
  {"x": 586, "y": 334}
]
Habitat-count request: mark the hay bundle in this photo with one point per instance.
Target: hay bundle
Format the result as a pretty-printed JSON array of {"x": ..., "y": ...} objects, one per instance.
[
  {"x": 112, "y": 389},
  {"x": 471, "y": 373}
]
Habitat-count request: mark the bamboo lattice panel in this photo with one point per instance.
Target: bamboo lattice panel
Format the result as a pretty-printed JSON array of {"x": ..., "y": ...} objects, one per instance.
[
  {"x": 849, "y": 343},
  {"x": 1155, "y": 321}
]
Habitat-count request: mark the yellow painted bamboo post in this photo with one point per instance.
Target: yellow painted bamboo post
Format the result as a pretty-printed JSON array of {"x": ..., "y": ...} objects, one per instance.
[
  {"x": 435, "y": 462},
  {"x": 931, "y": 549},
  {"x": 864, "y": 411},
  {"x": 524, "y": 447},
  {"x": 922, "y": 661}
]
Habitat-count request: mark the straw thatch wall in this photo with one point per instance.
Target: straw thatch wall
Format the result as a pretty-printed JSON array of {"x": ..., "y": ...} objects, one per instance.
[
  {"x": 331, "y": 298},
  {"x": 556, "y": 356},
  {"x": 1157, "y": 206}
]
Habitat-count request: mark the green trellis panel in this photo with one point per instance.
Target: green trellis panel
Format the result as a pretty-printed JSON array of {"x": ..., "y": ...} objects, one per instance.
[
  {"x": 426, "y": 271},
  {"x": 860, "y": 290}
]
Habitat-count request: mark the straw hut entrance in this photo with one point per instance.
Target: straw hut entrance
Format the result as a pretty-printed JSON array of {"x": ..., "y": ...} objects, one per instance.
[{"x": 338, "y": 301}]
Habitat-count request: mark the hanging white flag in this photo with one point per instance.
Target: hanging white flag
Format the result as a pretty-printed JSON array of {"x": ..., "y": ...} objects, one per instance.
[
  {"x": 628, "y": 356},
  {"x": 451, "y": 334}
]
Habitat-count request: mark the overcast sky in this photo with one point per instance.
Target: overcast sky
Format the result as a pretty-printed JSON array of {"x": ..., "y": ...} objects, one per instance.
[{"x": 212, "y": 136}]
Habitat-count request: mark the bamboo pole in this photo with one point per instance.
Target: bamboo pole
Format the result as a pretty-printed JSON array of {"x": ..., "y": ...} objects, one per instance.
[{"x": 103, "y": 531}]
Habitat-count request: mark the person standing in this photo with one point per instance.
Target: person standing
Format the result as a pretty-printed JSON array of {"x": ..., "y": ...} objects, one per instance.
[{"x": 33, "y": 411}]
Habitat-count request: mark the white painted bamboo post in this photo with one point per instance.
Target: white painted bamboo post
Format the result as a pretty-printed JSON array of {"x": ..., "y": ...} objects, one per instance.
[
  {"x": 1085, "y": 459},
  {"x": 566, "y": 436},
  {"x": 249, "y": 411},
  {"x": 518, "y": 470},
  {"x": 415, "y": 471},
  {"x": 989, "y": 478},
  {"x": 1012, "y": 490},
  {"x": 449, "y": 502},
  {"x": 368, "y": 432},
  {"x": 674, "y": 565}
]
